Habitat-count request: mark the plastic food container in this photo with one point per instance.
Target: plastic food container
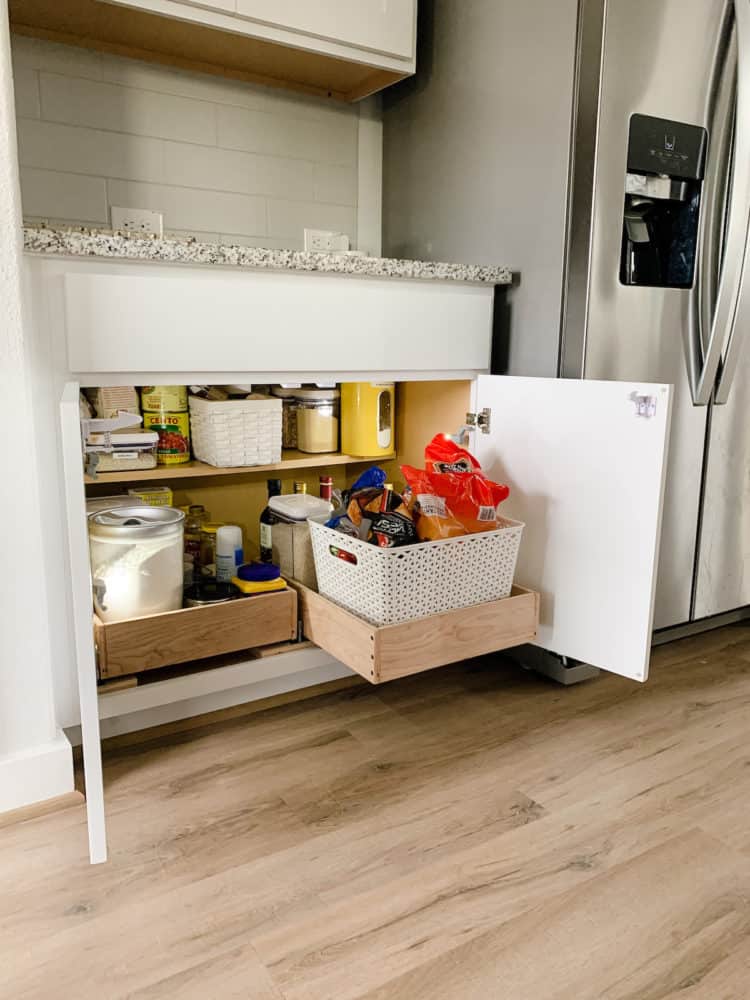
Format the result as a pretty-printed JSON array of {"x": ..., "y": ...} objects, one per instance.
[
  {"x": 136, "y": 561},
  {"x": 318, "y": 420},
  {"x": 299, "y": 507}
]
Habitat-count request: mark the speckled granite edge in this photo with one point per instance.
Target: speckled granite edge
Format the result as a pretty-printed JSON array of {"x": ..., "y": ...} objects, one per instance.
[{"x": 98, "y": 243}]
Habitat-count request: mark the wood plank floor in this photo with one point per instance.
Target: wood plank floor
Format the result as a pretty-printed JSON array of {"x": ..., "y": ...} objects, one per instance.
[{"x": 475, "y": 833}]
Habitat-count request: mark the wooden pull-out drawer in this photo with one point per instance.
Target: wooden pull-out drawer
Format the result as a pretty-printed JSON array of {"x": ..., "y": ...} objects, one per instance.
[
  {"x": 139, "y": 644},
  {"x": 382, "y": 654}
]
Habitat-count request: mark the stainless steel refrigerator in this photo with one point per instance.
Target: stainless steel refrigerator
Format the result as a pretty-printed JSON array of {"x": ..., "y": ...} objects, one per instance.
[{"x": 601, "y": 148}]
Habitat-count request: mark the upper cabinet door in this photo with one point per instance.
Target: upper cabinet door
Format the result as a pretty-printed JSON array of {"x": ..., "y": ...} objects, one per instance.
[
  {"x": 585, "y": 462},
  {"x": 386, "y": 26}
]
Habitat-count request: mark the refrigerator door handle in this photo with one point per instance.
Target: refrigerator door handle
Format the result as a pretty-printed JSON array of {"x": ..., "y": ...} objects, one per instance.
[{"x": 723, "y": 327}]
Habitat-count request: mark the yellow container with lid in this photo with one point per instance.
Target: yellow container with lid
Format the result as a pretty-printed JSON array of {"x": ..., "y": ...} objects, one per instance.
[{"x": 368, "y": 418}]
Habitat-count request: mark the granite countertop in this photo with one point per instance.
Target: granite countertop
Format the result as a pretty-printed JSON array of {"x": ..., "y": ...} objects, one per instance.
[{"x": 118, "y": 246}]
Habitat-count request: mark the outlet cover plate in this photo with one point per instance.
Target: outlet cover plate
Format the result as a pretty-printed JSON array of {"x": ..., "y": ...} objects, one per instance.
[
  {"x": 325, "y": 241},
  {"x": 138, "y": 220}
]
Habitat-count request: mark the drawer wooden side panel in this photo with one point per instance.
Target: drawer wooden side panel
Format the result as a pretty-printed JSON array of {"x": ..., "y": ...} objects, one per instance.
[
  {"x": 383, "y": 654},
  {"x": 140, "y": 644}
]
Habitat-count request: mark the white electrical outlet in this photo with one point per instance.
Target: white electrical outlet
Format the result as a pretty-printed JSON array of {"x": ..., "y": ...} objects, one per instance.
[
  {"x": 325, "y": 241},
  {"x": 138, "y": 220}
]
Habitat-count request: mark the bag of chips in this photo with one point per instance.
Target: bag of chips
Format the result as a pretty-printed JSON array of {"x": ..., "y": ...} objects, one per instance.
[
  {"x": 455, "y": 490},
  {"x": 429, "y": 510}
]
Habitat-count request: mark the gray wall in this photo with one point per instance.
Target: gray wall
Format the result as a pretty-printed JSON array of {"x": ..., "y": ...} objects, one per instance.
[
  {"x": 223, "y": 160},
  {"x": 476, "y": 154}
]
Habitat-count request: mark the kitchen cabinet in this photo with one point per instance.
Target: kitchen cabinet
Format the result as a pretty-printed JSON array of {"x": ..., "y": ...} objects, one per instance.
[
  {"x": 386, "y": 26},
  {"x": 331, "y": 49},
  {"x": 585, "y": 460}
]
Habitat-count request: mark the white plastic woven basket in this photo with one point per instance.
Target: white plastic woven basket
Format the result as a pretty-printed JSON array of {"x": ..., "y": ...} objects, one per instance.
[
  {"x": 236, "y": 431},
  {"x": 387, "y": 586}
]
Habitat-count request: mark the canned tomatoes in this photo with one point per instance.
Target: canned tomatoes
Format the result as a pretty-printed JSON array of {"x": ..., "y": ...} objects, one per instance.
[{"x": 173, "y": 447}]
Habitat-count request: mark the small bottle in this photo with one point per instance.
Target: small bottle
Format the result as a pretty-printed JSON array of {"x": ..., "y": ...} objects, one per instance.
[
  {"x": 208, "y": 547},
  {"x": 229, "y": 553},
  {"x": 326, "y": 488},
  {"x": 267, "y": 519},
  {"x": 300, "y": 487},
  {"x": 193, "y": 524},
  {"x": 385, "y": 499}
]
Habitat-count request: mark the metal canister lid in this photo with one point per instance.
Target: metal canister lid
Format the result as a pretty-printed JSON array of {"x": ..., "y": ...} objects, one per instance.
[
  {"x": 209, "y": 592},
  {"x": 135, "y": 522}
]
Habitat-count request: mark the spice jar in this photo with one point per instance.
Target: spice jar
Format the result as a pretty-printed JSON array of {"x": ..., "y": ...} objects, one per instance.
[
  {"x": 136, "y": 561},
  {"x": 208, "y": 547},
  {"x": 288, "y": 415},
  {"x": 317, "y": 420}
]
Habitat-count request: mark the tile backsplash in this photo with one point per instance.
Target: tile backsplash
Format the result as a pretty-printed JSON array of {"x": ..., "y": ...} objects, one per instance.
[{"x": 223, "y": 160}]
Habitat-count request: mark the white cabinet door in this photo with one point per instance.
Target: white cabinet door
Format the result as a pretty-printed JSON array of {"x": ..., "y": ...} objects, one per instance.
[
  {"x": 585, "y": 462},
  {"x": 80, "y": 582},
  {"x": 379, "y": 25}
]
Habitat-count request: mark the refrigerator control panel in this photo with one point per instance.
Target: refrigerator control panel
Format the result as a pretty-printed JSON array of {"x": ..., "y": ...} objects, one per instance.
[{"x": 661, "y": 146}]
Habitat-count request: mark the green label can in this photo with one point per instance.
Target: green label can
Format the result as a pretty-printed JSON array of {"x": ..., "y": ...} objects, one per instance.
[{"x": 173, "y": 446}]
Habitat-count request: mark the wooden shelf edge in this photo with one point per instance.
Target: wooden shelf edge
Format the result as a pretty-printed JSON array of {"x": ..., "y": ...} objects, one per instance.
[{"x": 200, "y": 470}]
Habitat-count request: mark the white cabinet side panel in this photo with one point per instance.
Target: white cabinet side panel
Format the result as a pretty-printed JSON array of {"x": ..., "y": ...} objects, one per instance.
[{"x": 586, "y": 474}]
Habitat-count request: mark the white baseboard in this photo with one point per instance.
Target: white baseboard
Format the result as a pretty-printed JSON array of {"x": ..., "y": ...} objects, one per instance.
[{"x": 39, "y": 773}]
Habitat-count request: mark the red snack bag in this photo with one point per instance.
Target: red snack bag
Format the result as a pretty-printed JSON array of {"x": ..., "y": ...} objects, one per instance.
[
  {"x": 428, "y": 509},
  {"x": 442, "y": 454},
  {"x": 471, "y": 498},
  {"x": 457, "y": 476}
]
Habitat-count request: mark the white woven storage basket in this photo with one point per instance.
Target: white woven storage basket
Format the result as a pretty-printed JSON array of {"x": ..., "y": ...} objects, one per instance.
[
  {"x": 236, "y": 431},
  {"x": 388, "y": 586}
]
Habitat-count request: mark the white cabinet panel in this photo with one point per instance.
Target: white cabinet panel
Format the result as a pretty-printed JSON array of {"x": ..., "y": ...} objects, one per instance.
[
  {"x": 192, "y": 321},
  {"x": 380, "y": 25},
  {"x": 586, "y": 474},
  {"x": 227, "y": 6}
]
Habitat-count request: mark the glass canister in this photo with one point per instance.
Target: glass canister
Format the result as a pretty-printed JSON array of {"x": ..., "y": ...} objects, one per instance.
[
  {"x": 208, "y": 547},
  {"x": 288, "y": 415},
  {"x": 318, "y": 420},
  {"x": 136, "y": 561}
]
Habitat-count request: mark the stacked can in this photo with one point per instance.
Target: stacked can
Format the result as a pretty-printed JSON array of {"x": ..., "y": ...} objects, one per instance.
[{"x": 165, "y": 410}]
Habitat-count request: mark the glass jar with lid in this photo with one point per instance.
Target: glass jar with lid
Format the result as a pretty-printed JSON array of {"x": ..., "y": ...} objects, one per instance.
[
  {"x": 317, "y": 420},
  {"x": 288, "y": 399}
]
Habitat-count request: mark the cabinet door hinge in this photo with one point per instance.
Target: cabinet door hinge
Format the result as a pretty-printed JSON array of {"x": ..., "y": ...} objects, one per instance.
[{"x": 482, "y": 420}]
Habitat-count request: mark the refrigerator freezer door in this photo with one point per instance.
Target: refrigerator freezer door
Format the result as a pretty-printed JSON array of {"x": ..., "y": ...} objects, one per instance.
[
  {"x": 660, "y": 59},
  {"x": 723, "y": 577},
  {"x": 585, "y": 462},
  {"x": 723, "y": 582}
]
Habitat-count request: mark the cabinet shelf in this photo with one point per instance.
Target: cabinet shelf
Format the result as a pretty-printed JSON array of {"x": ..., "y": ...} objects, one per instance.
[{"x": 195, "y": 469}]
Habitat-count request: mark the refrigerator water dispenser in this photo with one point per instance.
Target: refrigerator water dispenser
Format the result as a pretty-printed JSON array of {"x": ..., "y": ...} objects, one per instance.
[{"x": 666, "y": 162}]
